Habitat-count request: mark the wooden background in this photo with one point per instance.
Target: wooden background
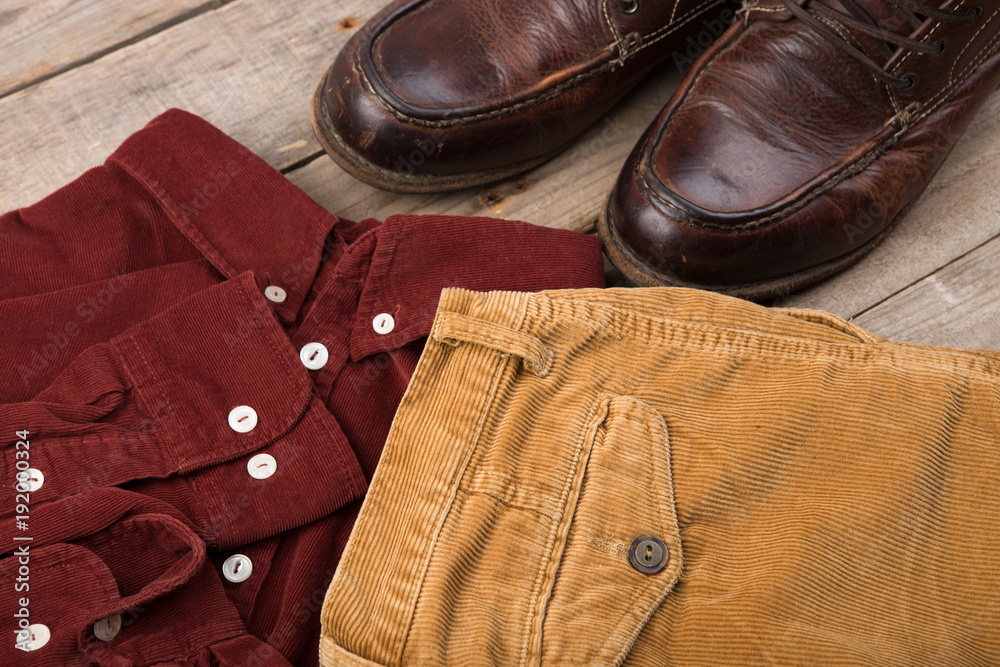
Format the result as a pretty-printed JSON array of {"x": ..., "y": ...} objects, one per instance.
[{"x": 78, "y": 76}]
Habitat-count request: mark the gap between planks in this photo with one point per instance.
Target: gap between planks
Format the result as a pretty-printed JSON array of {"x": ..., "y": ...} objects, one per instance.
[{"x": 53, "y": 37}]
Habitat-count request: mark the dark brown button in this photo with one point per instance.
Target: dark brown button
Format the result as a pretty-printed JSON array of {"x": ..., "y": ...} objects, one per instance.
[{"x": 648, "y": 554}]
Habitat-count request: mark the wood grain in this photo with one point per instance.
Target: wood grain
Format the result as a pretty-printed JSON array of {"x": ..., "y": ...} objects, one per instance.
[
  {"x": 249, "y": 67},
  {"x": 42, "y": 38},
  {"x": 959, "y": 211},
  {"x": 958, "y": 306}
]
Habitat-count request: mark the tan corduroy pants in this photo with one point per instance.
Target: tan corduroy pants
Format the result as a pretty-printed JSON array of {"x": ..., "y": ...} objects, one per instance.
[{"x": 823, "y": 496}]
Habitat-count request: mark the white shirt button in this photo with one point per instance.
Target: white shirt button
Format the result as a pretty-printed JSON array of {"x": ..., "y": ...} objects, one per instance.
[
  {"x": 237, "y": 568},
  {"x": 38, "y": 635},
  {"x": 384, "y": 323},
  {"x": 314, "y": 356},
  {"x": 108, "y": 628},
  {"x": 262, "y": 466},
  {"x": 275, "y": 294},
  {"x": 242, "y": 419},
  {"x": 32, "y": 480}
]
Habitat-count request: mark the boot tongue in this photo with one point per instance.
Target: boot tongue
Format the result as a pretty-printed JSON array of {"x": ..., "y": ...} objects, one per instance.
[{"x": 889, "y": 16}]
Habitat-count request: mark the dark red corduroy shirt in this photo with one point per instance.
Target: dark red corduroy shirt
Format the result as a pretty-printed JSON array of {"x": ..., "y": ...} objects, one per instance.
[{"x": 198, "y": 363}]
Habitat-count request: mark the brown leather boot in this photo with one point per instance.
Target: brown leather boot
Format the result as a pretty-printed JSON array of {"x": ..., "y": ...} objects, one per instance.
[
  {"x": 444, "y": 94},
  {"x": 798, "y": 140}
]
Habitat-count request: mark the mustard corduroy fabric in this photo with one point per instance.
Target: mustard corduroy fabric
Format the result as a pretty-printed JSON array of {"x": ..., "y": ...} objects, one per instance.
[{"x": 826, "y": 497}]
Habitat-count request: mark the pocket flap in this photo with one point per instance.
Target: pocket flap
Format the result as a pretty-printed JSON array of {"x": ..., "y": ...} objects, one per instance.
[{"x": 599, "y": 602}]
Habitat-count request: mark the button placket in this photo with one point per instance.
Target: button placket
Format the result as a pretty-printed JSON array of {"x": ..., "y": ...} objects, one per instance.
[
  {"x": 34, "y": 637},
  {"x": 242, "y": 419},
  {"x": 275, "y": 294},
  {"x": 262, "y": 466},
  {"x": 32, "y": 479},
  {"x": 314, "y": 356}
]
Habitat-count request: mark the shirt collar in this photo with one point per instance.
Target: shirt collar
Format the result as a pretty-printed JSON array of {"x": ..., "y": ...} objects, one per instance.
[
  {"x": 241, "y": 213},
  {"x": 414, "y": 257}
]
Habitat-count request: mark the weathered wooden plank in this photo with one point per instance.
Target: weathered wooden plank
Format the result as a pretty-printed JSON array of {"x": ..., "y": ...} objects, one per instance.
[
  {"x": 260, "y": 95},
  {"x": 959, "y": 211},
  {"x": 43, "y": 38},
  {"x": 567, "y": 192},
  {"x": 249, "y": 67},
  {"x": 958, "y": 306}
]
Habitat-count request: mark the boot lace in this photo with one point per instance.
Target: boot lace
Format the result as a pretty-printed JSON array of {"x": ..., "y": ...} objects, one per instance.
[{"x": 858, "y": 19}]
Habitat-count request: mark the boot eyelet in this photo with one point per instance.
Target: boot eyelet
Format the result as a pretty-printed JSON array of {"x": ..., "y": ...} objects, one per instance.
[
  {"x": 941, "y": 46},
  {"x": 630, "y": 6},
  {"x": 976, "y": 12},
  {"x": 909, "y": 82}
]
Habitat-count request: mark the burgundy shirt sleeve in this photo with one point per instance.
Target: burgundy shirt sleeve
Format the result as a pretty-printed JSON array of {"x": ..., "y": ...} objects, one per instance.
[
  {"x": 177, "y": 190},
  {"x": 135, "y": 559},
  {"x": 101, "y": 225},
  {"x": 155, "y": 403},
  {"x": 238, "y": 211}
]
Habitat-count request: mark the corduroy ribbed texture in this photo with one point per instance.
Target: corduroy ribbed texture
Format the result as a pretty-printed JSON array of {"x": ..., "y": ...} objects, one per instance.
[
  {"x": 826, "y": 496},
  {"x": 134, "y": 319}
]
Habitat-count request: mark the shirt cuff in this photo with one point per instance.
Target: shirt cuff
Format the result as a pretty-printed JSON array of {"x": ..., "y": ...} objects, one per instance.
[
  {"x": 135, "y": 565},
  {"x": 206, "y": 406}
]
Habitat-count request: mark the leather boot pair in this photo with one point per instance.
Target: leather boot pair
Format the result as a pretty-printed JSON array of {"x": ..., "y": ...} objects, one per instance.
[
  {"x": 792, "y": 147},
  {"x": 434, "y": 95}
]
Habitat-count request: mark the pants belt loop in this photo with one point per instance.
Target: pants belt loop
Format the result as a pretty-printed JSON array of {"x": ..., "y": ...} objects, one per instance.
[{"x": 452, "y": 328}]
